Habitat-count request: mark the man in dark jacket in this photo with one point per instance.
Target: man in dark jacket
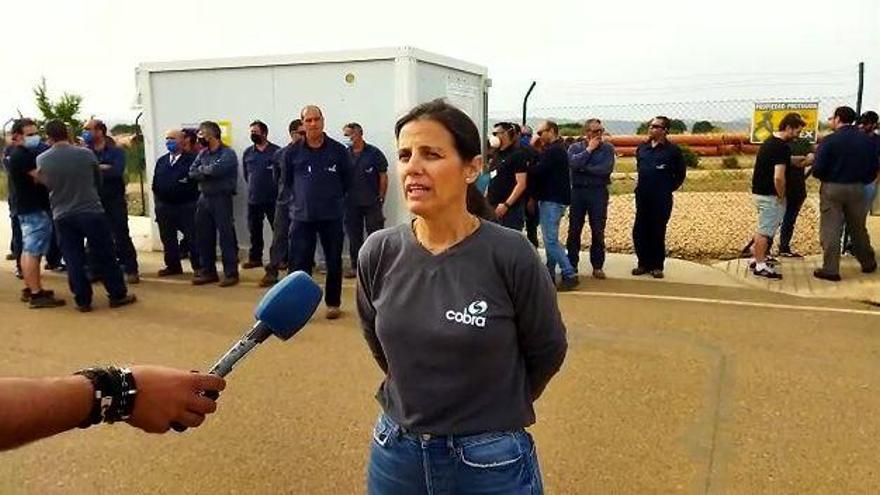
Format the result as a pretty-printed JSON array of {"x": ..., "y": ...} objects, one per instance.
[
  {"x": 846, "y": 161},
  {"x": 592, "y": 162},
  {"x": 175, "y": 197},
  {"x": 661, "y": 171},
  {"x": 216, "y": 170},
  {"x": 258, "y": 166},
  {"x": 111, "y": 159},
  {"x": 553, "y": 192}
]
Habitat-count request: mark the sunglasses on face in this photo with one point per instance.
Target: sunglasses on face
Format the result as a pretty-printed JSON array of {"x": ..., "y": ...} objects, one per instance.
[{"x": 656, "y": 126}]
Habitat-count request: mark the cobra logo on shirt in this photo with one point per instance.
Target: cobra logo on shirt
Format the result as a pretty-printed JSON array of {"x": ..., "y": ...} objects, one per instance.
[{"x": 472, "y": 314}]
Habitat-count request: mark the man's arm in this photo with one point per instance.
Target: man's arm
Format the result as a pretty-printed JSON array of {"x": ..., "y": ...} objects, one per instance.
[
  {"x": 383, "y": 176},
  {"x": 195, "y": 170},
  {"x": 35, "y": 408},
  {"x": 578, "y": 156},
  {"x": 679, "y": 169},
  {"x": 114, "y": 166},
  {"x": 779, "y": 180},
  {"x": 224, "y": 166},
  {"x": 823, "y": 156}
]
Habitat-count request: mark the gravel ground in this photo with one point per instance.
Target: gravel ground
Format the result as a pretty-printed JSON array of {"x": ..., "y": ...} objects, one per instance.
[{"x": 704, "y": 225}]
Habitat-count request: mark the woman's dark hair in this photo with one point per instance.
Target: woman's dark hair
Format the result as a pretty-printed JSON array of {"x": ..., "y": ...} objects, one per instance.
[{"x": 466, "y": 138}]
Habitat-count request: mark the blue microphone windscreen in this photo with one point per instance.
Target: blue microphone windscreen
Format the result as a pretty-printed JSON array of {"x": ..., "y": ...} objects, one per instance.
[{"x": 289, "y": 304}]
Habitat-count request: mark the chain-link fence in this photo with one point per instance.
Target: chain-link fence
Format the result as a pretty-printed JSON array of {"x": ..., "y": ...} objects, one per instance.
[{"x": 714, "y": 215}]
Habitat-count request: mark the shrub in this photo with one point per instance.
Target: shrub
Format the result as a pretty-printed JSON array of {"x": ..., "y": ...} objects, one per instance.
[
  {"x": 730, "y": 162},
  {"x": 691, "y": 159}
]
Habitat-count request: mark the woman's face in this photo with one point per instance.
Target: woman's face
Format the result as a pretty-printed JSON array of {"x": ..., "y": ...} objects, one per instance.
[{"x": 434, "y": 178}]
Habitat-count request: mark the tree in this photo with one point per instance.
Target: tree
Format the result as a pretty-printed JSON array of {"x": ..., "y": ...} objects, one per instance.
[
  {"x": 703, "y": 127},
  {"x": 65, "y": 109}
]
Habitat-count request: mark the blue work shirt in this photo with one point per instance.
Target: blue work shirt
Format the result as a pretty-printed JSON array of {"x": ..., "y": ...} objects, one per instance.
[
  {"x": 216, "y": 172},
  {"x": 112, "y": 182},
  {"x": 318, "y": 179},
  {"x": 591, "y": 168},
  {"x": 847, "y": 156},
  {"x": 661, "y": 168},
  {"x": 367, "y": 167},
  {"x": 259, "y": 173}
]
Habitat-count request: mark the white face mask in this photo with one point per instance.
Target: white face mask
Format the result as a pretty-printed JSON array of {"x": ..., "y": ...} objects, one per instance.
[
  {"x": 494, "y": 141},
  {"x": 31, "y": 142},
  {"x": 346, "y": 140}
]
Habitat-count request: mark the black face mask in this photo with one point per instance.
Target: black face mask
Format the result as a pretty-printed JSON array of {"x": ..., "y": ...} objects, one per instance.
[
  {"x": 256, "y": 139},
  {"x": 203, "y": 142}
]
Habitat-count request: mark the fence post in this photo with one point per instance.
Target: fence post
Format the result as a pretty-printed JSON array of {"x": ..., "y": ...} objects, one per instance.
[
  {"x": 526, "y": 103},
  {"x": 861, "y": 88}
]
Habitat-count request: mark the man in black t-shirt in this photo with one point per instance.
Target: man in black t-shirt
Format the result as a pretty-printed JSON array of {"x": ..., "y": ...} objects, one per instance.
[
  {"x": 32, "y": 211},
  {"x": 507, "y": 178},
  {"x": 769, "y": 189}
]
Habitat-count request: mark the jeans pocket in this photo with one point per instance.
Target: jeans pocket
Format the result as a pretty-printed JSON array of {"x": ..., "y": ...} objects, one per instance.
[
  {"x": 383, "y": 431},
  {"x": 492, "y": 451}
]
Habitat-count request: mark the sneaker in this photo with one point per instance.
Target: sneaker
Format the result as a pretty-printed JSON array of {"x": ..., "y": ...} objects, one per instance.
[
  {"x": 831, "y": 277},
  {"x": 349, "y": 273},
  {"x": 770, "y": 260},
  {"x": 133, "y": 278},
  {"x": 26, "y": 294},
  {"x": 10, "y": 257},
  {"x": 638, "y": 271},
  {"x": 568, "y": 283},
  {"x": 123, "y": 301},
  {"x": 44, "y": 300},
  {"x": 228, "y": 281},
  {"x": 168, "y": 272},
  {"x": 870, "y": 268},
  {"x": 767, "y": 272},
  {"x": 18, "y": 274},
  {"x": 84, "y": 309},
  {"x": 268, "y": 280},
  {"x": 247, "y": 265},
  {"x": 599, "y": 274},
  {"x": 657, "y": 273},
  {"x": 790, "y": 254},
  {"x": 333, "y": 313},
  {"x": 205, "y": 279}
]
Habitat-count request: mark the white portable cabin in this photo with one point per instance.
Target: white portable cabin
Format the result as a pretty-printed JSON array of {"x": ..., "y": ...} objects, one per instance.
[{"x": 372, "y": 87}]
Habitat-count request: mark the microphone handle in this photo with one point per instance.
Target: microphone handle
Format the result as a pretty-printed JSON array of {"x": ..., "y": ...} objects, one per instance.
[{"x": 256, "y": 335}]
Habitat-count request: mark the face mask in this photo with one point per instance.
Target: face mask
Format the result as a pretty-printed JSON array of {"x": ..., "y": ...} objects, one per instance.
[
  {"x": 494, "y": 141},
  {"x": 256, "y": 139},
  {"x": 524, "y": 140},
  {"x": 171, "y": 145},
  {"x": 31, "y": 142},
  {"x": 346, "y": 140},
  {"x": 203, "y": 142},
  {"x": 88, "y": 138}
]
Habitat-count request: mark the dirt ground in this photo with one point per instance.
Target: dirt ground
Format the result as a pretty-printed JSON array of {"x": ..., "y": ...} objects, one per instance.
[{"x": 662, "y": 391}]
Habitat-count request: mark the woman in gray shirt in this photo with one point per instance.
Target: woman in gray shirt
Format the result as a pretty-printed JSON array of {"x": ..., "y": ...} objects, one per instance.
[{"x": 462, "y": 317}]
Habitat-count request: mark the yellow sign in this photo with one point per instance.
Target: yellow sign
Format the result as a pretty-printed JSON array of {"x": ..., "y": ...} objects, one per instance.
[
  {"x": 225, "y": 131},
  {"x": 767, "y": 115}
]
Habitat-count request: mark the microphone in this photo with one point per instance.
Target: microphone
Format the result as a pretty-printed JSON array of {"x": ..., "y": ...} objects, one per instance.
[{"x": 282, "y": 312}]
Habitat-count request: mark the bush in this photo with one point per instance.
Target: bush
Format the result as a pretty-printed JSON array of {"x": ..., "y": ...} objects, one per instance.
[
  {"x": 730, "y": 162},
  {"x": 703, "y": 127},
  {"x": 691, "y": 159}
]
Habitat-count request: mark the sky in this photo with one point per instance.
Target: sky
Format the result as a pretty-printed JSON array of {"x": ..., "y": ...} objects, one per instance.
[{"x": 578, "y": 52}]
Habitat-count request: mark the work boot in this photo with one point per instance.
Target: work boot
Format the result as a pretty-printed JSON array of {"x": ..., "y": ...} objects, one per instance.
[
  {"x": 639, "y": 270},
  {"x": 168, "y": 272},
  {"x": 823, "y": 275},
  {"x": 599, "y": 274},
  {"x": 133, "y": 278},
  {"x": 333, "y": 312},
  {"x": 205, "y": 279},
  {"x": 247, "y": 265},
  {"x": 568, "y": 283},
  {"x": 123, "y": 301},
  {"x": 44, "y": 299},
  {"x": 657, "y": 274},
  {"x": 268, "y": 280},
  {"x": 228, "y": 281}
]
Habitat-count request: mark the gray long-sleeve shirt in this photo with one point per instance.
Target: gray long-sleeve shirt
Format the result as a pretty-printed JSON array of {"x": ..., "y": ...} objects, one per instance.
[
  {"x": 469, "y": 338},
  {"x": 591, "y": 168}
]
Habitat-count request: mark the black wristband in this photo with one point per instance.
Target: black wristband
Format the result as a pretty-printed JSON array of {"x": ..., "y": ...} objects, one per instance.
[{"x": 115, "y": 391}]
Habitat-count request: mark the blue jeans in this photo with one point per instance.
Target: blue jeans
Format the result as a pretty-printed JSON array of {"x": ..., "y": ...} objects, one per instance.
[
  {"x": 401, "y": 463},
  {"x": 94, "y": 228},
  {"x": 588, "y": 202},
  {"x": 550, "y": 216}
]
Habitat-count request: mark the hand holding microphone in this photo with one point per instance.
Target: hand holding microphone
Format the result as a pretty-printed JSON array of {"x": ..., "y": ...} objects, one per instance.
[{"x": 282, "y": 312}]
